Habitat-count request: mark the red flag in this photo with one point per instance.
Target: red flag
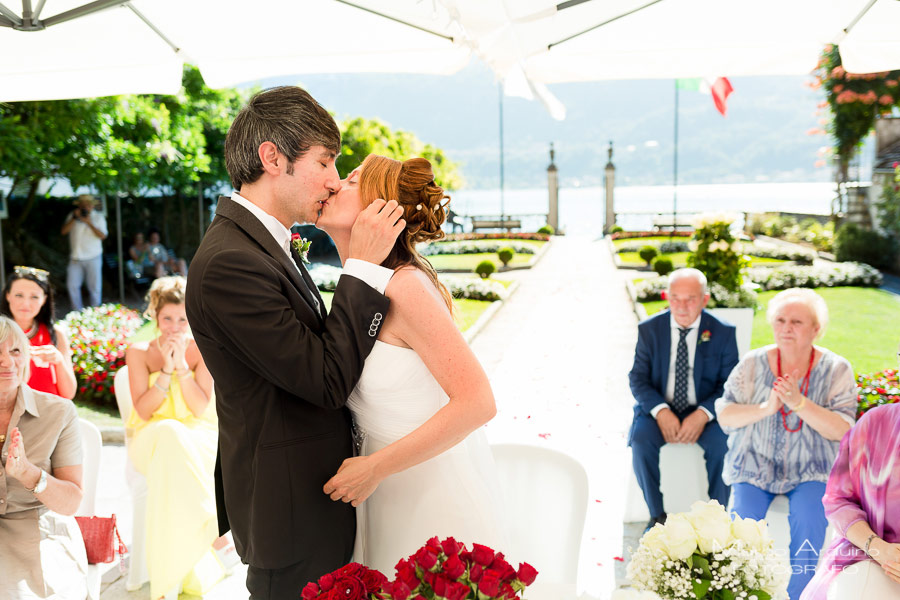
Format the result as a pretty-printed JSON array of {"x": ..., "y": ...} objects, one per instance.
[{"x": 721, "y": 89}]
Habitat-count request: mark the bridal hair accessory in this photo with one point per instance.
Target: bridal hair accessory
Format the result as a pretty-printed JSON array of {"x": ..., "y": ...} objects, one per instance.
[
  {"x": 418, "y": 207},
  {"x": 39, "y": 274},
  {"x": 439, "y": 569},
  {"x": 301, "y": 244}
]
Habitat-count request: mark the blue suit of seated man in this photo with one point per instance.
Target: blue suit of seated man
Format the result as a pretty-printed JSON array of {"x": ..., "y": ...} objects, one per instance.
[{"x": 682, "y": 359}]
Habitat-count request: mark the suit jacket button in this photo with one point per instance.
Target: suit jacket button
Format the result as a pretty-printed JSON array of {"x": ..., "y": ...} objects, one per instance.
[{"x": 378, "y": 316}]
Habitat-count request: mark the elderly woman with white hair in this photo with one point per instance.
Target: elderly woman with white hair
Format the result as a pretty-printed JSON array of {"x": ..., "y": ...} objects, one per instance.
[
  {"x": 785, "y": 408},
  {"x": 42, "y": 553}
]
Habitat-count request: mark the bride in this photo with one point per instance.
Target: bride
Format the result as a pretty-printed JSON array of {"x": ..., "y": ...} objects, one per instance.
[{"x": 421, "y": 471}]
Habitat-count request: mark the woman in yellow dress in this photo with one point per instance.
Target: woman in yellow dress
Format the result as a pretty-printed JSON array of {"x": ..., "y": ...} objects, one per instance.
[{"x": 174, "y": 433}]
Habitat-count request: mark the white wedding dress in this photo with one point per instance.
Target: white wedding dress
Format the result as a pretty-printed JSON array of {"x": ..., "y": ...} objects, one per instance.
[{"x": 453, "y": 494}]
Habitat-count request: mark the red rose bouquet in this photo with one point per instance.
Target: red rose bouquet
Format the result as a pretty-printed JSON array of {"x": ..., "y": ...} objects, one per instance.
[
  {"x": 446, "y": 570},
  {"x": 350, "y": 582}
]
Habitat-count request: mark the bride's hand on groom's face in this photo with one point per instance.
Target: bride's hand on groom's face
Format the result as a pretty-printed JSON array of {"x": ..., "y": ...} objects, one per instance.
[
  {"x": 355, "y": 480},
  {"x": 375, "y": 231}
]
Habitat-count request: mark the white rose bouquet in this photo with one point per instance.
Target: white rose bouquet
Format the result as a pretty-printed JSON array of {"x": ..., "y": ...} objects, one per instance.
[{"x": 704, "y": 555}]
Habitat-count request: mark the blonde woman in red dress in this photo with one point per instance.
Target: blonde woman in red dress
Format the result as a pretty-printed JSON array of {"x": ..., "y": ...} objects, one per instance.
[{"x": 28, "y": 300}]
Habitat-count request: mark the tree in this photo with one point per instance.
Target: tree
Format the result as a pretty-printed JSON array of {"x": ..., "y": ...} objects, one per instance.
[{"x": 361, "y": 137}]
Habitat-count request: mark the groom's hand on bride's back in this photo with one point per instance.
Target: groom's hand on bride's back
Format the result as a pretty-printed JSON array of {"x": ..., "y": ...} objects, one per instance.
[{"x": 375, "y": 231}]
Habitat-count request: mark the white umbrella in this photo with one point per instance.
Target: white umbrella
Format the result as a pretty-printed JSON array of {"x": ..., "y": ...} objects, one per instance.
[{"x": 109, "y": 47}]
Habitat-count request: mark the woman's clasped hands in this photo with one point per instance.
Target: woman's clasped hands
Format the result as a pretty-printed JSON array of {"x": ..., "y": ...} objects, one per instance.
[{"x": 17, "y": 463}]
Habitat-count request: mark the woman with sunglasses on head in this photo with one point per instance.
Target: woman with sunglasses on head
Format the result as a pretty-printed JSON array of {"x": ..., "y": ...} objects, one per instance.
[{"x": 28, "y": 300}]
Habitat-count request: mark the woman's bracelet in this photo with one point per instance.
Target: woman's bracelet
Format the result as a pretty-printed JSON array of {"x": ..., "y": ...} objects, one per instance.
[
  {"x": 160, "y": 388},
  {"x": 164, "y": 372},
  {"x": 801, "y": 404},
  {"x": 868, "y": 542},
  {"x": 183, "y": 373}
]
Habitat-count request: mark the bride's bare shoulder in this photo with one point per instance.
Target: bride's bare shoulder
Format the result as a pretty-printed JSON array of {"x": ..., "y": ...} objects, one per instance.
[{"x": 410, "y": 285}]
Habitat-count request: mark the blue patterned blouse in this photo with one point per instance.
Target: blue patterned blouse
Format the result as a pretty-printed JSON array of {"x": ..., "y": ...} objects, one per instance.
[{"x": 767, "y": 455}]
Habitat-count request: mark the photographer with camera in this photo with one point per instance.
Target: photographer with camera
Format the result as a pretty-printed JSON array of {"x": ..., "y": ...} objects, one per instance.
[{"x": 86, "y": 229}]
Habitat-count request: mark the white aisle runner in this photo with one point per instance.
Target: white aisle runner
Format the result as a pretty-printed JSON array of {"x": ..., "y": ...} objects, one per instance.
[{"x": 558, "y": 355}]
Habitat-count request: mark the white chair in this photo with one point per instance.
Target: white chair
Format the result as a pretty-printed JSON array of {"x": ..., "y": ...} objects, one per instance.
[
  {"x": 553, "y": 485},
  {"x": 137, "y": 483},
  {"x": 92, "y": 443},
  {"x": 683, "y": 481}
]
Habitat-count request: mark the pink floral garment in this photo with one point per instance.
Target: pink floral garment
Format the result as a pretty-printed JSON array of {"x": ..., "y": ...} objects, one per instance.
[{"x": 864, "y": 485}]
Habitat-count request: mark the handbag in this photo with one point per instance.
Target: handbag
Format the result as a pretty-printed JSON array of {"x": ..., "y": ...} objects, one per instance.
[{"x": 100, "y": 535}]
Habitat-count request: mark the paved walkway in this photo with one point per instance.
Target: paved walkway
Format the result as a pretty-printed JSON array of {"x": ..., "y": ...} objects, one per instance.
[{"x": 557, "y": 354}]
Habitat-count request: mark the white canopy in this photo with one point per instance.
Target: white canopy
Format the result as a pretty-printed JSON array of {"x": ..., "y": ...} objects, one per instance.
[{"x": 139, "y": 46}]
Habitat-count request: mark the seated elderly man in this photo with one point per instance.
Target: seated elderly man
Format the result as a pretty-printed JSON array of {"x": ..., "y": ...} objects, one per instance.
[{"x": 682, "y": 359}]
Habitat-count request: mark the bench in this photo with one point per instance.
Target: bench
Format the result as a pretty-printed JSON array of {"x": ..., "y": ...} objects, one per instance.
[
  {"x": 664, "y": 221},
  {"x": 506, "y": 224}
]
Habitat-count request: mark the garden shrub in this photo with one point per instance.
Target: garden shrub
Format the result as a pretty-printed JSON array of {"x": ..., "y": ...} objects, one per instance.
[
  {"x": 853, "y": 243},
  {"x": 485, "y": 268},
  {"x": 663, "y": 265},
  {"x": 505, "y": 255},
  {"x": 99, "y": 336},
  {"x": 546, "y": 229},
  {"x": 876, "y": 389},
  {"x": 648, "y": 253},
  {"x": 616, "y": 229},
  {"x": 673, "y": 247}
]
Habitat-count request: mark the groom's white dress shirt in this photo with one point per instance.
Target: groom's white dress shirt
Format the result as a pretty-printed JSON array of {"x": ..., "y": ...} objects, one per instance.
[{"x": 375, "y": 276}]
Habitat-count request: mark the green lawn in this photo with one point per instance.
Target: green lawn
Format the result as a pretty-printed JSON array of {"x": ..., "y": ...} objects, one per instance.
[
  {"x": 467, "y": 311},
  {"x": 649, "y": 240},
  {"x": 679, "y": 259},
  {"x": 862, "y": 329},
  {"x": 468, "y": 262}
]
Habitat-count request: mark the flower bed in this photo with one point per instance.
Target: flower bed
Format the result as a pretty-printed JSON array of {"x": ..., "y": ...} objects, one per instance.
[
  {"x": 467, "y": 237},
  {"x": 474, "y": 247},
  {"x": 876, "y": 389},
  {"x": 801, "y": 256},
  {"x": 782, "y": 278},
  {"x": 99, "y": 336},
  {"x": 326, "y": 278},
  {"x": 830, "y": 275},
  {"x": 627, "y": 235},
  {"x": 663, "y": 247}
]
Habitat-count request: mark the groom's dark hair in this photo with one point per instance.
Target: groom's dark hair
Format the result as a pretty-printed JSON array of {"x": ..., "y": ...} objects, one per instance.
[{"x": 288, "y": 117}]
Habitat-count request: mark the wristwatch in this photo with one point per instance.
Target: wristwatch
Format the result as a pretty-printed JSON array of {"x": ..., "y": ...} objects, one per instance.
[{"x": 41, "y": 484}]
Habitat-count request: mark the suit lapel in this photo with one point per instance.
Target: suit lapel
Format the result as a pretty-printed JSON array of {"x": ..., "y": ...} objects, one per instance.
[
  {"x": 310, "y": 284},
  {"x": 701, "y": 350},
  {"x": 665, "y": 342},
  {"x": 244, "y": 219}
]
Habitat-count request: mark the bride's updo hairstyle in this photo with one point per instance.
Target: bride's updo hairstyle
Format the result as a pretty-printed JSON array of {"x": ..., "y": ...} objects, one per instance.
[
  {"x": 165, "y": 290},
  {"x": 411, "y": 183}
]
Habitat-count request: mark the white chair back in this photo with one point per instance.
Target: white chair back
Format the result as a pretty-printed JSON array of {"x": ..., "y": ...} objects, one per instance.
[
  {"x": 123, "y": 393},
  {"x": 92, "y": 443},
  {"x": 553, "y": 485}
]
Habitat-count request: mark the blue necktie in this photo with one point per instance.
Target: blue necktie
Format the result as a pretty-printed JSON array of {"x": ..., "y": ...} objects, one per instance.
[{"x": 680, "y": 397}]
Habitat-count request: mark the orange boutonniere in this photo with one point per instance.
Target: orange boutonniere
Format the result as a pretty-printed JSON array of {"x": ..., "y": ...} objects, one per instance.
[{"x": 704, "y": 337}]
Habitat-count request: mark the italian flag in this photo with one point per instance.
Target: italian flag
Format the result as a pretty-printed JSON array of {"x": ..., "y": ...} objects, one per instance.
[{"x": 720, "y": 88}]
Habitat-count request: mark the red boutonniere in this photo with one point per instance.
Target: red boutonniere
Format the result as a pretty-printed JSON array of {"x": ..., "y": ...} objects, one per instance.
[
  {"x": 302, "y": 245},
  {"x": 704, "y": 337}
]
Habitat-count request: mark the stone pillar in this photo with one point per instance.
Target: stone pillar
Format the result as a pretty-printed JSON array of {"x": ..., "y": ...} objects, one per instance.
[
  {"x": 609, "y": 179},
  {"x": 553, "y": 193}
]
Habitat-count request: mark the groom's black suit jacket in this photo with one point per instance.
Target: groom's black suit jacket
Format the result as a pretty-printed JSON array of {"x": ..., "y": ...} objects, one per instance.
[{"x": 283, "y": 372}]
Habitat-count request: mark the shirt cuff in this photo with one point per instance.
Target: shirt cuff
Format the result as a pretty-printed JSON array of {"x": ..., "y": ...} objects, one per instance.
[
  {"x": 655, "y": 410},
  {"x": 709, "y": 415},
  {"x": 375, "y": 276}
]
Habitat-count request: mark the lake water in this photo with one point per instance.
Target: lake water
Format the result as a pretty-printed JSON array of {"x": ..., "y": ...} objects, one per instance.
[{"x": 582, "y": 210}]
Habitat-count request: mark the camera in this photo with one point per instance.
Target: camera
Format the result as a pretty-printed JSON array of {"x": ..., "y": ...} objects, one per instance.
[{"x": 80, "y": 212}]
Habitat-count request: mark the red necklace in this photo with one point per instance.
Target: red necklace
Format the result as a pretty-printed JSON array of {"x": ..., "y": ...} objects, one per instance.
[{"x": 804, "y": 389}]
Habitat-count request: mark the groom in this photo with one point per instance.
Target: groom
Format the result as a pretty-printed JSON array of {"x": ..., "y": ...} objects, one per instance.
[{"x": 283, "y": 369}]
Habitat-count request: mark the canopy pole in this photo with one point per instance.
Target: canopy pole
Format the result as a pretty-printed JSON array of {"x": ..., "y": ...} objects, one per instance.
[
  {"x": 606, "y": 22},
  {"x": 119, "y": 248},
  {"x": 502, "y": 207},
  {"x": 675, "y": 168}
]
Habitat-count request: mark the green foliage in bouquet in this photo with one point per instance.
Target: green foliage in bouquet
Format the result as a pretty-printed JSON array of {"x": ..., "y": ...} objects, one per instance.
[
  {"x": 99, "y": 336},
  {"x": 877, "y": 389}
]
